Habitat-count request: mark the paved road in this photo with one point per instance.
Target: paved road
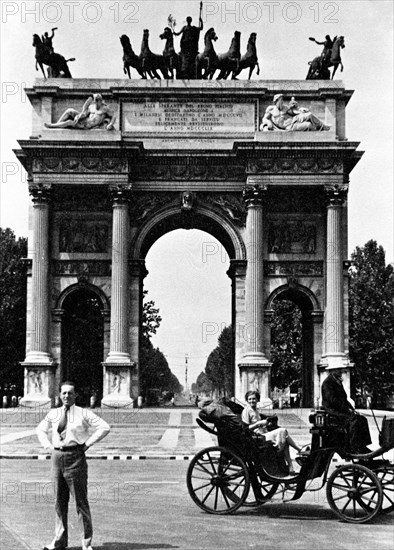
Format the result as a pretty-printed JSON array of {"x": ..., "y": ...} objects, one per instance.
[{"x": 144, "y": 505}]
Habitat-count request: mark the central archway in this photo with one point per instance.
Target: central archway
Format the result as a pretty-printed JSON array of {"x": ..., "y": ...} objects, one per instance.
[{"x": 225, "y": 236}]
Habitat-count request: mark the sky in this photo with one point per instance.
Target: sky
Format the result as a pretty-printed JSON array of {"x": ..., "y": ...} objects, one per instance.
[{"x": 190, "y": 287}]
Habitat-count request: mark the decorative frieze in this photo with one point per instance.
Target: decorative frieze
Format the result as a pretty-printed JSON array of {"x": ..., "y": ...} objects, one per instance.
[
  {"x": 274, "y": 165},
  {"x": 89, "y": 163},
  {"x": 300, "y": 269},
  {"x": 185, "y": 170},
  {"x": 99, "y": 268}
]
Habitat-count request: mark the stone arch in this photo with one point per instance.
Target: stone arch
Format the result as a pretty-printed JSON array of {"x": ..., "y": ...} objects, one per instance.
[
  {"x": 83, "y": 286},
  {"x": 312, "y": 317},
  {"x": 201, "y": 218},
  {"x": 299, "y": 294}
]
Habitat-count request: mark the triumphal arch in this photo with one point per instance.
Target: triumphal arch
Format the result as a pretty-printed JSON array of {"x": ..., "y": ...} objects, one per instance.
[{"x": 263, "y": 166}]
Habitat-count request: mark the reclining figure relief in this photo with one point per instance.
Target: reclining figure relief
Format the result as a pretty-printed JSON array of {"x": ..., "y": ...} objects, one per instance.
[{"x": 291, "y": 118}]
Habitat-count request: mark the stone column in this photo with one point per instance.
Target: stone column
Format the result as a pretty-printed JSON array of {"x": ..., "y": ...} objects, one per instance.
[
  {"x": 38, "y": 363},
  {"x": 237, "y": 272},
  {"x": 117, "y": 372},
  {"x": 138, "y": 272},
  {"x": 334, "y": 354},
  {"x": 254, "y": 366}
]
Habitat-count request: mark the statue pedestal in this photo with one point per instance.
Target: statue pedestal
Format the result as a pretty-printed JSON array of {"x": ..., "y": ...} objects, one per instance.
[
  {"x": 39, "y": 384},
  {"x": 255, "y": 375},
  {"x": 117, "y": 385}
]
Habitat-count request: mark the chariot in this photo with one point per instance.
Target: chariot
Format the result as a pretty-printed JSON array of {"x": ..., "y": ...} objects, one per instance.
[{"x": 245, "y": 470}]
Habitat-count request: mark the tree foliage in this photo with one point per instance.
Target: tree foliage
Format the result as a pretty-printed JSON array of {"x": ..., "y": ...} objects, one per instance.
[
  {"x": 286, "y": 344},
  {"x": 219, "y": 368},
  {"x": 371, "y": 322},
  {"x": 155, "y": 373},
  {"x": 202, "y": 385},
  {"x": 12, "y": 307}
]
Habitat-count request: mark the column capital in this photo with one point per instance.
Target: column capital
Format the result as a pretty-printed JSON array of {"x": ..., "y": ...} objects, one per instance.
[
  {"x": 237, "y": 268},
  {"x": 336, "y": 194},
  {"x": 41, "y": 194},
  {"x": 120, "y": 194},
  {"x": 253, "y": 194},
  {"x": 138, "y": 269}
]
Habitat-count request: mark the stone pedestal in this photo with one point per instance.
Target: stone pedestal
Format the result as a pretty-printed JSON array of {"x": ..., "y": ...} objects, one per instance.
[
  {"x": 38, "y": 362},
  {"x": 117, "y": 385},
  {"x": 254, "y": 366}
]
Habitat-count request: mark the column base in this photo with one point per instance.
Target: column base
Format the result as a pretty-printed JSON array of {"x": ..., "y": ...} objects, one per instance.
[
  {"x": 117, "y": 385},
  {"x": 39, "y": 383},
  {"x": 255, "y": 375},
  {"x": 117, "y": 357}
]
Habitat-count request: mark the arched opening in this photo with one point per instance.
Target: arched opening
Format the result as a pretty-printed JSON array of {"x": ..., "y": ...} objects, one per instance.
[
  {"x": 292, "y": 346},
  {"x": 189, "y": 284},
  {"x": 82, "y": 347}
]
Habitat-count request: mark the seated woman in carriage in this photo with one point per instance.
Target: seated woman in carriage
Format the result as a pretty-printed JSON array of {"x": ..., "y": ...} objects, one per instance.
[{"x": 279, "y": 436}]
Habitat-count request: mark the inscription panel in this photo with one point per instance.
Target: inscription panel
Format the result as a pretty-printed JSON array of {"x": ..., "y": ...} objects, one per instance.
[{"x": 188, "y": 117}]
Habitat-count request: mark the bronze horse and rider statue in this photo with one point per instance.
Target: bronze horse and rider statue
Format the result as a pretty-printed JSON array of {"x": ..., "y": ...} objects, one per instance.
[
  {"x": 45, "y": 55},
  {"x": 189, "y": 62},
  {"x": 319, "y": 67}
]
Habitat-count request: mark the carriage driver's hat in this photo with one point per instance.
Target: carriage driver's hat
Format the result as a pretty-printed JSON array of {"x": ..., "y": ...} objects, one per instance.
[{"x": 276, "y": 97}]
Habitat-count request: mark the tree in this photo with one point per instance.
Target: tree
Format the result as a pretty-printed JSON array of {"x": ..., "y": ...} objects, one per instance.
[
  {"x": 286, "y": 344},
  {"x": 12, "y": 307},
  {"x": 219, "y": 368},
  {"x": 371, "y": 322},
  {"x": 202, "y": 385},
  {"x": 154, "y": 370}
]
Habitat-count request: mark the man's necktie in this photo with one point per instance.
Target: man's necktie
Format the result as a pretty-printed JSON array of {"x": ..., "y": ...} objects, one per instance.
[{"x": 63, "y": 422}]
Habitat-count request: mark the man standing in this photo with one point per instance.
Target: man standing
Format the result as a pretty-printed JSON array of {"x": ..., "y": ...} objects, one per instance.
[
  {"x": 334, "y": 400},
  {"x": 70, "y": 440}
]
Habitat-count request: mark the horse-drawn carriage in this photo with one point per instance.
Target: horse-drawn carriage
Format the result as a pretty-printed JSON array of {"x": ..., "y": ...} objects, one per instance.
[{"x": 246, "y": 470}]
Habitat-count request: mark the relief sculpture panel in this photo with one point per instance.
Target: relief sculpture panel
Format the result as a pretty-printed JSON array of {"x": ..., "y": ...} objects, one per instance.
[
  {"x": 292, "y": 237},
  {"x": 80, "y": 236}
]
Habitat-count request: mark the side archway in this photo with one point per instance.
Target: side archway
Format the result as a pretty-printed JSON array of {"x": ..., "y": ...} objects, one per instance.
[
  {"x": 311, "y": 322},
  {"x": 84, "y": 308}
]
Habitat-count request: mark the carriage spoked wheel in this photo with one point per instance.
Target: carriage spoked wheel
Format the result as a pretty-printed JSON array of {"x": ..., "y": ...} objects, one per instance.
[
  {"x": 354, "y": 493},
  {"x": 218, "y": 480},
  {"x": 385, "y": 474}
]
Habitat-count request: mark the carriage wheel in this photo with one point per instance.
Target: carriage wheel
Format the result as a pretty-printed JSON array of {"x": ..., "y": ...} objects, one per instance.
[
  {"x": 385, "y": 474},
  {"x": 218, "y": 480},
  {"x": 354, "y": 493}
]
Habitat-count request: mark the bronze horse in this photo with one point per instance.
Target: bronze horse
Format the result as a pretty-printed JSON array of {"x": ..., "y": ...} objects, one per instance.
[
  {"x": 130, "y": 58},
  {"x": 151, "y": 62},
  {"x": 319, "y": 69},
  {"x": 249, "y": 60},
  {"x": 57, "y": 63},
  {"x": 208, "y": 59},
  {"x": 229, "y": 62},
  {"x": 172, "y": 59}
]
